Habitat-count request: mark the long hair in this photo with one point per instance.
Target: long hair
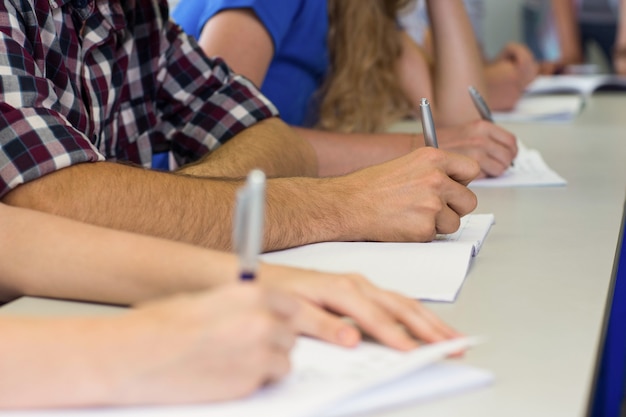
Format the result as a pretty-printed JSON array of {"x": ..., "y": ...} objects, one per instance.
[{"x": 361, "y": 92}]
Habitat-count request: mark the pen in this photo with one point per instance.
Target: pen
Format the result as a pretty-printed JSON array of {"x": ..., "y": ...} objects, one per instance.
[
  {"x": 248, "y": 223},
  {"x": 480, "y": 104},
  {"x": 428, "y": 126}
]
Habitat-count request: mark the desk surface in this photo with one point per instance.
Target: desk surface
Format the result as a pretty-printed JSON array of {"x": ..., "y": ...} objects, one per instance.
[{"x": 539, "y": 287}]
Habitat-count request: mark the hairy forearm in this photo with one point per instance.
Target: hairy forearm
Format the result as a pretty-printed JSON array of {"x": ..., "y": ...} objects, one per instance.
[
  {"x": 271, "y": 146},
  {"x": 458, "y": 62},
  {"x": 79, "y": 261},
  {"x": 179, "y": 207},
  {"x": 342, "y": 153},
  {"x": 171, "y": 206}
]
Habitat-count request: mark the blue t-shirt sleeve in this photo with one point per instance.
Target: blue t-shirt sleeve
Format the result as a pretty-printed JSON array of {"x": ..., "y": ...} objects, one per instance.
[{"x": 276, "y": 15}]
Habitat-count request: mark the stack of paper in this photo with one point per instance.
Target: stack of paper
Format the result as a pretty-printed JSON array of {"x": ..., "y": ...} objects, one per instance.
[
  {"x": 430, "y": 271},
  {"x": 330, "y": 381}
]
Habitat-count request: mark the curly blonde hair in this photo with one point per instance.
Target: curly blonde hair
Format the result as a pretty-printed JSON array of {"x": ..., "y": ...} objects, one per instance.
[{"x": 361, "y": 91}]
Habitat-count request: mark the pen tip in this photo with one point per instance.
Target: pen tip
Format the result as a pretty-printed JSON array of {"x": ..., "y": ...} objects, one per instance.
[{"x": 425, "y": 102}]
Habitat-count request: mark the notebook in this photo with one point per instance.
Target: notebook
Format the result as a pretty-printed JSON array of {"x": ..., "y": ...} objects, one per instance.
[
  {"x": 428, "y": 271},
  {"x": 576, "y": 84},
  {"x": 330, "y": 381},
  {"x": 559, "y": 98}
]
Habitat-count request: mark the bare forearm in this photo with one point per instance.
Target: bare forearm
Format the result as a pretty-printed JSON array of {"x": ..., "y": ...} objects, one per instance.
[
  {"x": 271, "y": 146},
  {"x": 79, "y": 261},
  {"x": 175, "y": 207},
  {"x": 567, "y": 30},
  {"x": 342, "y": 153},
  {"x": 458, "y": 62},
  {"x": 180, "y": 207},
  {"x": 621, "y": 30}
]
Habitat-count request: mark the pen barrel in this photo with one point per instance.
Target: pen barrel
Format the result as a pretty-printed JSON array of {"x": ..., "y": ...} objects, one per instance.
[
  {"x": 428, "y": 125},
  {"x": 248, "y": 223}
]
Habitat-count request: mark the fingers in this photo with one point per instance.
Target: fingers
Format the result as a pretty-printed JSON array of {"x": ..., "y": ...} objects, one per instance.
[
  {"x": 347, "y": 297},
  {"x": 417, "y": 319},
  {"x": 281, "y": 304},
  {"x": 460, "y": 201},
  {"x": 315, "y": 322},
  {"x": 461, "y": 168}
]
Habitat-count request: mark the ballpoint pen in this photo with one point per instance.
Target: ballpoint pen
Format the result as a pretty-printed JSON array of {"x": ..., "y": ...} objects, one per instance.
[
  {"x": 480, "y": 104},
  {"x": 428, "y": 125},
  {"x": 248, "y": 223}
]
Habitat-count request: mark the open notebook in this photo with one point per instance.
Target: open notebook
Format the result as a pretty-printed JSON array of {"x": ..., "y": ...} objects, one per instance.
[
  {"x": 559, "y": 98},
  {"x": 528, "y": 170},
  {"x": 576, "y": 84},
  {"x": 330, "y": 381},
  {"x": 430, "y": 271}
]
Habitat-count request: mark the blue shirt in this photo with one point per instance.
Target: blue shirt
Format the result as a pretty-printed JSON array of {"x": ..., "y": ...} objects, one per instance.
[{"x": 299, "y": 30}]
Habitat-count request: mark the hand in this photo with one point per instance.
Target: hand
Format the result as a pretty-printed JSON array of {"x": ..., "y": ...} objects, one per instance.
[
  {"x": 493, "y": 147},
  {"x": 389, "y": 317},
  {"x": 204, "y": 347},
  {"x": 411, "y": 198},
  {"x": 522, "y": 58},
  {"x": 504, "y": 87}
]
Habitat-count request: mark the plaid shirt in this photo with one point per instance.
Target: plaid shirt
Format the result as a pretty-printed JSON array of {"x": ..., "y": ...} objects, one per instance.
[{"x": 88, "y": 80}]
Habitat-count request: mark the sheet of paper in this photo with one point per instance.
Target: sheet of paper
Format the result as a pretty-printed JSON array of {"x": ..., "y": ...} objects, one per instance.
[
  {"x": 435, "y": 381},
  {"x": 545, "y": 108},
  {"x": 529, "y": 170},
  {"x": 428, "y": 271},
  {"x": 322, "y": 377}
]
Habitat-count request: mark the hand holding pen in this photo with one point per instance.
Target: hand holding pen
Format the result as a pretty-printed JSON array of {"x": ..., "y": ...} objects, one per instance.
[{"x": 248, "y": 223}]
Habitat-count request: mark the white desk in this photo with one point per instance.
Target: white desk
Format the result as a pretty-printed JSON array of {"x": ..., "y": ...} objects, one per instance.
[{"x": 539, "y": 287}]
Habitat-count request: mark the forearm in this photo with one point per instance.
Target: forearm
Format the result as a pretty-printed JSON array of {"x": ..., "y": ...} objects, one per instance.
[
  {"x": 567, "y": 31},
  {"x": 621, "y": 28},
  {"x": 79, "y": 261},
  {"x": 179, "y": 207},
  {"x": 458, "y": 62},
  {"x": 342, "y": 153},
  {"x": 269, "y": 145}
]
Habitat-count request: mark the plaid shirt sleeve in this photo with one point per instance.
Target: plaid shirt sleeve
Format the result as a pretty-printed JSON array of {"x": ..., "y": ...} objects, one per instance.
[
  {"x": 34, "y": 138},
  {"x": 203, "y": 103}
]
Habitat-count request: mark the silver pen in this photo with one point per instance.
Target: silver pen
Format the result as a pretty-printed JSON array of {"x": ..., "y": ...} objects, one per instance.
[
  {"x": 428, "y": 125},
  {"x": 480, "y": 104},
  {"x": 248, "y": 223}
]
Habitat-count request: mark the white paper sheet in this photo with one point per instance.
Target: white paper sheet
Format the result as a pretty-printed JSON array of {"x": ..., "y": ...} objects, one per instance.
[
  {"x": 428, "y": 271},
  {"x": 327, "y": 380},
  {"x": 529, "y": 170}
]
